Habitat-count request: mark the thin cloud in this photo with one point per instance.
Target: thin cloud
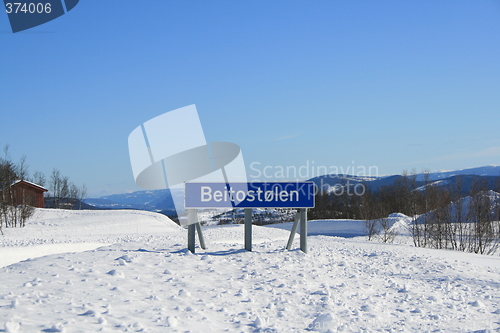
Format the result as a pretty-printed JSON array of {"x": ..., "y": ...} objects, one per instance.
[{"x": 287, "y": 137}]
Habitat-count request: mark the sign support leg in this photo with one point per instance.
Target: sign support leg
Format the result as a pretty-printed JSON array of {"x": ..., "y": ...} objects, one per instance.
[
  {"x": 303, "y": 229},
  {"x": 248, "y": 229},
  {"x": 193, "y": 227},
  {"x": 191, "y": 237},
  {"x": 200, "y": 236},
  {"x": 294, "y": 230}
]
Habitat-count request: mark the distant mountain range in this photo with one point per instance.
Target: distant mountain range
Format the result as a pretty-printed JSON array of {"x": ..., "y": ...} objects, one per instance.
[
  {"x": 161, "y": 200},
  {"x": 489, "y": 174},
  {"x": 154, "y": 200},
  {"x": 480, "y": 171}
]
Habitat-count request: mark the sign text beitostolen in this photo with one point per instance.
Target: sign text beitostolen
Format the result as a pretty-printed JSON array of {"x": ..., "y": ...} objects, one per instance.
[{"x": 250, "y": 195}]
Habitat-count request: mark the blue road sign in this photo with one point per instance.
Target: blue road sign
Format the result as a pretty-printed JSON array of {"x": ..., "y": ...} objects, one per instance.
[{"x": 250, "y": 195}]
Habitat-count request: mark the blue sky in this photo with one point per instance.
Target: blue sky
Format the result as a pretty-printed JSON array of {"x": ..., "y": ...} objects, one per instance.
[{"x": 392, "y": 84}]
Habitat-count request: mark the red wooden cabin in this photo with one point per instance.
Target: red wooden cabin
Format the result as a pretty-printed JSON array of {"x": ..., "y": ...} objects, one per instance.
[{"x": 25, "y": 192}]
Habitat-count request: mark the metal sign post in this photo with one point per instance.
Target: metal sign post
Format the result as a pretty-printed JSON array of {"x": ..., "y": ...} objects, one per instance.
[
  {"x": 248, "y": 229},
  {"x": 300, "y": 217},
  {"x": 193, "y": 227},
  {"x": 303, "y": 229},
  {"x": 294, "y": 230}
]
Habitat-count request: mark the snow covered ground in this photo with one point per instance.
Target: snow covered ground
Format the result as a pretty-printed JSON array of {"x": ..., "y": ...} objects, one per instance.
[
  {"x": 340, "y": 228},
  {"x": 138, "y": 277}
]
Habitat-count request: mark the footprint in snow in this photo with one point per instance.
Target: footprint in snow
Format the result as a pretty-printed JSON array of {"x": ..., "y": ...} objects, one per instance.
[
  {"x": 153, "y": 298},
  {"x": 241, "y": 292},
  {"x": 366, "y": 308},
  {"x": 11, "y": 327},
  {"x": 116, "y": 273},
  {"x": 14, "y": 303},
  {"x": 90, "y": 313},
  {"x": 476, "y": 304},
  {"x": 259, "y": 322},
  {"x": 172, "y": 321},
  {"x": 184, "y": 293},
  {"x": 323, "y": 323},
  {"x": 125, "y": 258},
  {"x": 55, "y": 328},
  {"x": 404, "y": 289}
]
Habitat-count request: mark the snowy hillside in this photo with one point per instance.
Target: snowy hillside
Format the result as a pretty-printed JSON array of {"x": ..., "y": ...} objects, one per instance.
[
  {"x": 462, "y": 206},
  {"x": 152, "y": 200},
  {"x": 140, "y": 278},
  {"x": 489, "y": 170}
]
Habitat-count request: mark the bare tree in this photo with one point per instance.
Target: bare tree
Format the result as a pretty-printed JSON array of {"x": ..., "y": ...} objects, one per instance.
[
  {"x": 59, "y": 187},
  {"x": 438, "y": 199},
  {"x": 367, "y": 211},
  {"x": 387, "y": 233},
  {"x": 65, "y": 194},
  {"x": 484, "y": 239},
  {"x": 15, "y": 207},
  {"x": 423, "y": 205},
  {"x": 73, "y": 195},
  {"x": 458, "y": 216},
  {"x": 82, "y": 195},
  {"x": 39, "y": 178},
  {"x": 409, "y": 197},
  {"x": 497, "y": 210}
]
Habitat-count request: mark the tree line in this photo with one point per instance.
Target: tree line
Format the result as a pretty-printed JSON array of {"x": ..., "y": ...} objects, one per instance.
[
  {"x": 461, "y": 216},
  {"x": 62, "y": 192}
]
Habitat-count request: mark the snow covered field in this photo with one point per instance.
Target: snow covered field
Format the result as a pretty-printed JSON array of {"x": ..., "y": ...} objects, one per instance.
[
  {"x": 340, "y": 228},
  {"x": 136, "y": 276}
]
